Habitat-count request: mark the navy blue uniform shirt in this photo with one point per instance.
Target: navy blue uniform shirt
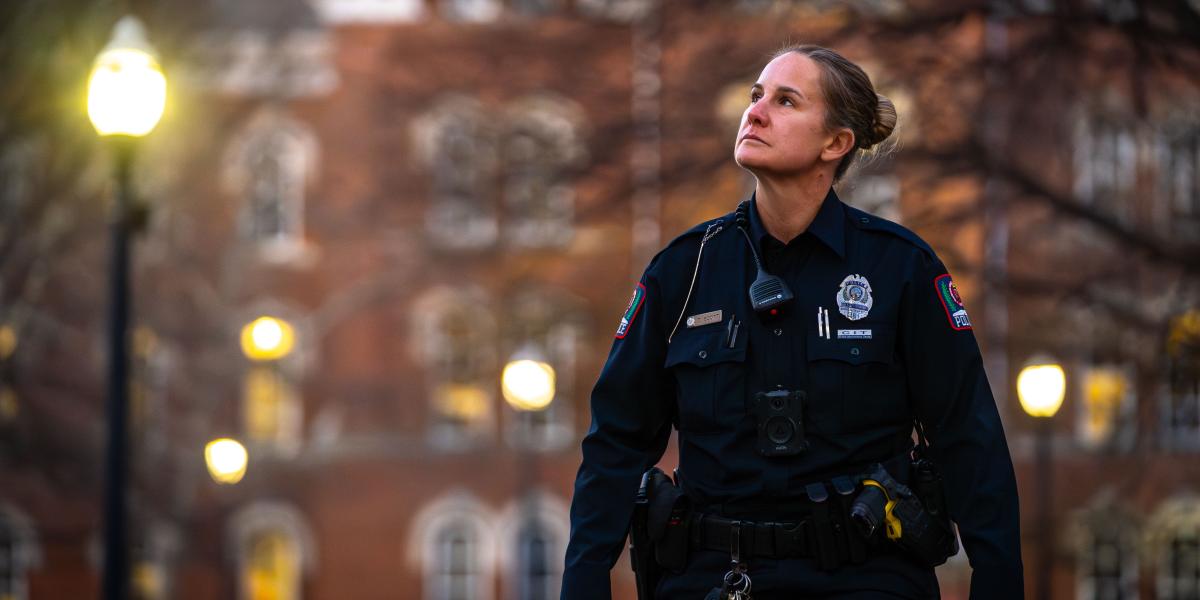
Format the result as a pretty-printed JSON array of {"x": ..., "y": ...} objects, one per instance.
[{"x": 912, "y": 354}]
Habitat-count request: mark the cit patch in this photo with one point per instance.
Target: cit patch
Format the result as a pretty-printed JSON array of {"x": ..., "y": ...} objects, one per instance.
[
  {"x": 635, "y": 303},
  {"x": 952, "y": 302},
  {"x": 854, "y": 299},
  {"x": 854, "y": 334}
]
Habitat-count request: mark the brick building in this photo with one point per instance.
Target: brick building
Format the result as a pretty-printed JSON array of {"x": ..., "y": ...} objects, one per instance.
[{"x": 426, "y": 190}]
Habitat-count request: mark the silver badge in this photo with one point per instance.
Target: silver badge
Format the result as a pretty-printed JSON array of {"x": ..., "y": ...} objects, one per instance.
[{"x": 854, "y": 297}]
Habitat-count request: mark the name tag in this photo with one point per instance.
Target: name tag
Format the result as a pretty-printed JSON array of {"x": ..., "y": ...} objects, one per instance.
[
  {"x": 704, "y": 319},
  {"x": 854, "y": 334}
]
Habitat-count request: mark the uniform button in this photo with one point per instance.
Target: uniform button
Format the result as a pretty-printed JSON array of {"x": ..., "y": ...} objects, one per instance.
[
  {"x": 778, "y": 331},
  {"x": 703, "y": 354},
  {"x": 854, "y": 352}
]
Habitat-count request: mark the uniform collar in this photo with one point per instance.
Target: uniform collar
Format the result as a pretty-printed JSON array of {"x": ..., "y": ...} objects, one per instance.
[{"x": 828, "y": 226}]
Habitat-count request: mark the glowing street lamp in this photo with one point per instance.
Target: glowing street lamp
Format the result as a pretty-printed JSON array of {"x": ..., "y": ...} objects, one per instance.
[
  {"x": 226, "y": 459},
  {"x": 127, "y": 91},
  {"x": 126, "y": 96},
  {"x": 528, "y": 383},
  {"x": 1041, "y": 386},
  {"x": 268, "y": 338}
]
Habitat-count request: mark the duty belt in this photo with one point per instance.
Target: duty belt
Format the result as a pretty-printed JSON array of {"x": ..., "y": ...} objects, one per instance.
[{"x": 757, "y": 539}]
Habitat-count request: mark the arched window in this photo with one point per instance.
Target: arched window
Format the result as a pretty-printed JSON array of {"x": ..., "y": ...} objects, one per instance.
[
  {"x": 1173, "y": 540},
  {"x": 19, "y": 553},
  {"x": 1105, "y": 536},
  {"x": 542, "y": 145},
  {"x": 274, "y": 549},
  {"x": 453, "y": 545},
  {"x": 455, "y": 335},
  {"x": 271, "y": 165},
  {"x": 457, "y": 144},
  {"x": 535, "y": 528}
]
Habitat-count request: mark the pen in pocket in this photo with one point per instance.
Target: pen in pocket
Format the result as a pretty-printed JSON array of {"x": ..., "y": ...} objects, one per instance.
[{"x": 731, "y": 331}]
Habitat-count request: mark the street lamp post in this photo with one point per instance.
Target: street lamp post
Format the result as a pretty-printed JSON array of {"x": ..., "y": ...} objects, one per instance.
[
  {"x": 528, "y": 385},
  {"x": 126, "y": 97},
  {"x": 1041, "y": 387}
]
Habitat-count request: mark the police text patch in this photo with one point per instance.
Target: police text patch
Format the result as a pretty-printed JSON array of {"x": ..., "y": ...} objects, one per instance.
[
  {"x": 635, "y": 303},
  {"x": 952, "y": 302}
]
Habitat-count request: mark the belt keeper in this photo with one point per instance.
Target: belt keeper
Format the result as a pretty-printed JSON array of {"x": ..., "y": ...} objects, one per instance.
[{"x": 735, "y": 542}]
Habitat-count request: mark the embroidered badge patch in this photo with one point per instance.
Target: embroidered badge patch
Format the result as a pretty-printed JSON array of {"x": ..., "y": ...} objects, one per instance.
[
  {"x": 854, "y": 297},
  {"x": 952, "y": 302},
  {"x": 635, "y": 303}
]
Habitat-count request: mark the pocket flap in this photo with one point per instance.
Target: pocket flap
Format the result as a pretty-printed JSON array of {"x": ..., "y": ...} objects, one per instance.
[{"x": 704, "y": 347}]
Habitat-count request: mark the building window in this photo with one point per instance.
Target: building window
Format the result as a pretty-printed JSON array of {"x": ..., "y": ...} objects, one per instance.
[
  {"x": 155, "y": 550},
  {"x": 456, "y": 336},
  {"x": 1181, "y": 402},
  {"x": 535, "y": 529},
  {"x": 274, "y": 549},
  {"x": 453, "y": 546},
  {"x": 273, "y": 569},
  {"x": 1108, "y": 567},
  {"x": 1178, "y": 181},
  {"x": 1106, "y": 153},
  {"x": 1106, "y": 418},
  {"x": 541, "y": 147},
  {"x": 271, "y": 408},
  {"x": 1175, "y": 543},
  {"x": 537, "y": 577},
  {"x": 1106, "y": 536},
  {"x": 272, "y": 165},
  {"x": 457, "y": 576},
  {"x": 458, "y": 145},
  {"x": 18, "y": 554}
]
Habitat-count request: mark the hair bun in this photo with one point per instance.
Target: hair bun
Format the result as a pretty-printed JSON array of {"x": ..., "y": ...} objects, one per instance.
[{"x": 885, "y": 121}]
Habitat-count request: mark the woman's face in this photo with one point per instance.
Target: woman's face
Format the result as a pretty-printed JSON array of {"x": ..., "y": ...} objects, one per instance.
[{"x": 783, "y": 129}]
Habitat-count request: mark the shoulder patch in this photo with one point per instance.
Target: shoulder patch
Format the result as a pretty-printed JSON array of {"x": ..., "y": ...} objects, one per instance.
[
  {"x": 631, "y": 311},
  {"x": 865, "y": 220},
  {"x": 952, "y": 302}
]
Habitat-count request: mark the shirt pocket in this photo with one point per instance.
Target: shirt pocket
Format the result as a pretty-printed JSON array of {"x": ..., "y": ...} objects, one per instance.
[
  {"x": 857, "y": 384},
  {"x": 710, "y": 378}
]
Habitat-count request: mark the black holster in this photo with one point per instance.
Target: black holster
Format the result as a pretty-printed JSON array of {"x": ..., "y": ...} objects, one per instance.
[{"x": 658, "y": 537}]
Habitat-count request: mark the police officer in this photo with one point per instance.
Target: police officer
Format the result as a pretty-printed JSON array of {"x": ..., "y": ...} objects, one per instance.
[{"x": 856, "y": 327}]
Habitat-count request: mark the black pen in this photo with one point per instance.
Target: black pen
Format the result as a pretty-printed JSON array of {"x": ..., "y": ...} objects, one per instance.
[
  {"x": 734, "y": 333},
  {"x": 729, "y": 331}
]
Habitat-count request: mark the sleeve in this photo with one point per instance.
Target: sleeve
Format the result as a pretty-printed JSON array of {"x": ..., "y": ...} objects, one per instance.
[
  {"x": 632, "y": 406},
  {"x": 954, "y": 404}
]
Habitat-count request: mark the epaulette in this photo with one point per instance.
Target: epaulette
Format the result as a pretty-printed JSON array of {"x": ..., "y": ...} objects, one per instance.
[
  {"x": 870, "y": 222},
  {"x": 700, "y": 229}
]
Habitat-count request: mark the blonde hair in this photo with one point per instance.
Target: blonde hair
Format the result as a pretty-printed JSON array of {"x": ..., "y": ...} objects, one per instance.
[{"x": 850, "y": 101}]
